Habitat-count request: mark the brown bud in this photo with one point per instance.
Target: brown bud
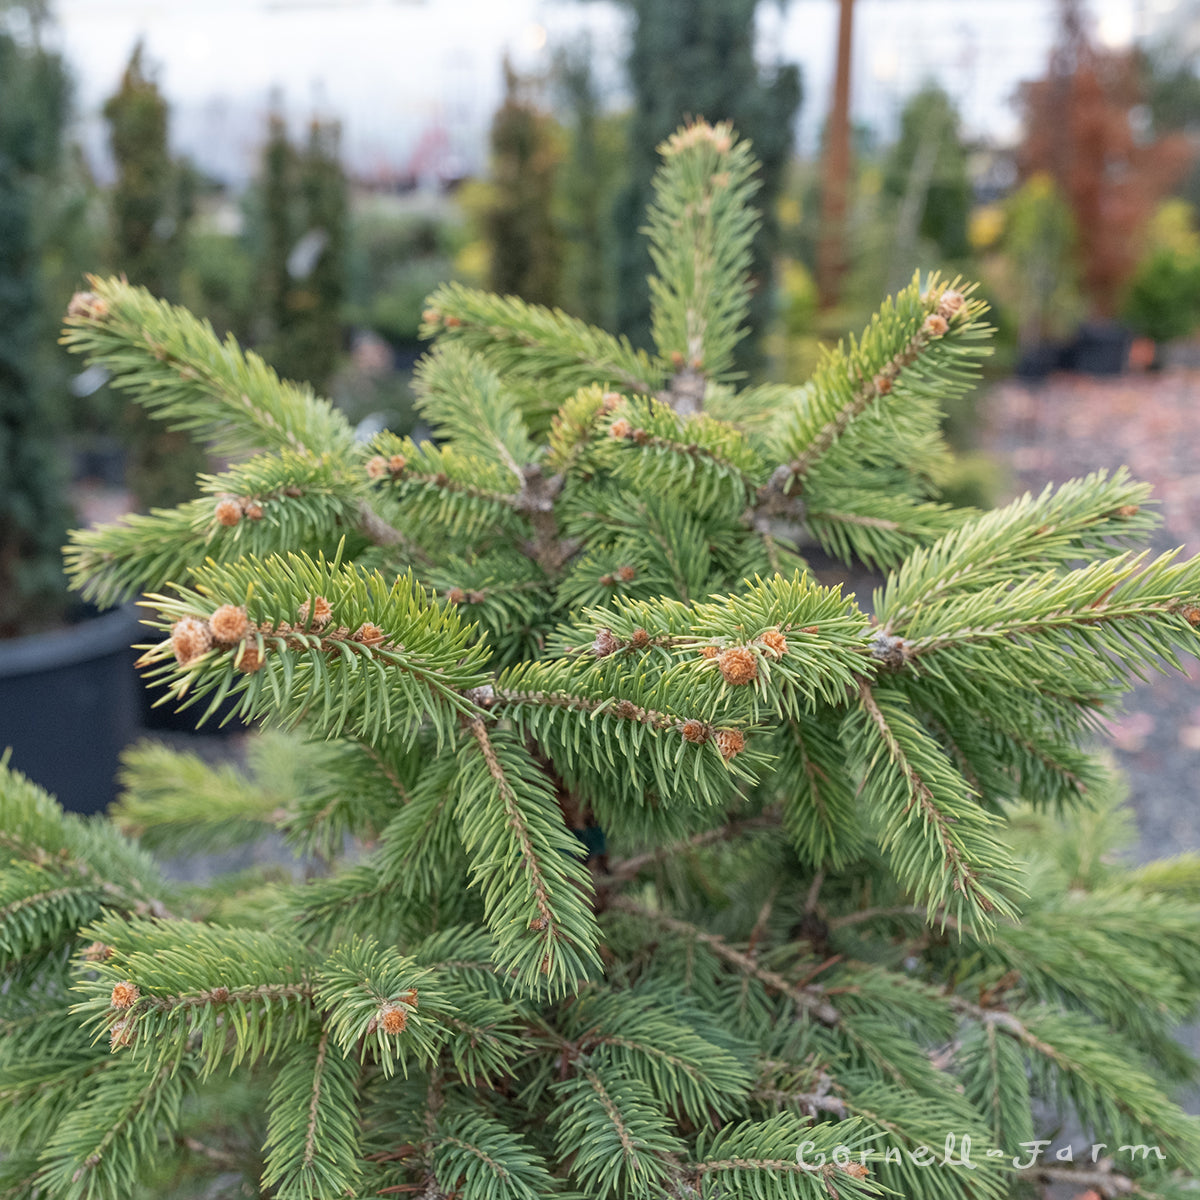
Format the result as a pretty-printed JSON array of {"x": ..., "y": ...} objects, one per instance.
[
  {"x": 120, "y": 1033},
  {"x": 321, "y": 610},
  {"x": 709, "y": 652},
  {"x": 190, "y": 638},
  {"x": 951, "y": 304},
  {"x": 677, "y": 359},
  {"x": 935, "y": 325},
  {"x": 882, "y": 384},
  {"x": 228, "y": 512},
  {"x": 620, "y": 428},
  {"x": 1128, "y": 510},
  {"x": 249, "y": 658},
  {"x": 88, "y": 305},
  {"x": 293, "y": 491},
  {"x": 640, "y": 639},
  {"x": 695, "y": 731},
  {"x": 124, "y": 995},
  {"x": 453, "y": 322},
  {"x": 229, "y": 624},
  {"x": 539, "y": 924},
  {"x": 626, "y": 574},
  {"x": 607, "y": 580},
  {"x": 456, "y": 595},
  {"x": 626, "y": 710},
  {"x": 606, "y": 643},
  {"x": 441, "y": 479},
  {"x": 1191, "y": 614},
  {"x": 392, "y": 1018},
  {"x": 369, "y": 635},
  {"x": 254, "y": 511},
  {"x": 397, "y": 463},
  {"x": 377, "y": 467},
  {"x": 97, "y": 952},
  {"x": 640, "y": 436},
  {"x": 609, "y": 401},
  {"x": 854, "y": 1170},
  {"x": 219, "y": 994},
  {"x": 730, "y": 742},
  {"x": 774, "y": 644},
  {"x": 431, "y": 316},
  {"x": 738, "y": 666}
]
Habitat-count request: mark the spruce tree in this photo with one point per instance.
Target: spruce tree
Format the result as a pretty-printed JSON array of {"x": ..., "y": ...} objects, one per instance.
[
  {"x": 926, "y": 179},
  {"x": 678, "y": 874},
  {"x": 148, "y": 228},
  {"x": 276, "y": 233},
  {"x": 525, "y": 246},
  {"x": 302, "y": 249},
  {"x": 588, "y": 182},
  {"x": 33, "y": 511}
]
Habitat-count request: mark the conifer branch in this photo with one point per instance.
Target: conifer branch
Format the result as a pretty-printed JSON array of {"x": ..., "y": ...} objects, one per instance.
[
  {"x": 173, "y": 364},
  {"x": 947, "y": 848},
  {"x": 701, "y": 228},
  {"x": 536, "y": 346},
  {"x": 536, "y": 893},
  {"x": 625, "y": 869},
  {"x": 810, "y": 998},
  {"x": 879, "y": 372},
  {"x": 1083, "y": 516}
]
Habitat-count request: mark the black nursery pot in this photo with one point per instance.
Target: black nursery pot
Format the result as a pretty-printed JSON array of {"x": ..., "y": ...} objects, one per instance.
[
  {"x": 69, "y": 706},
  {"x": 1100, "y": 348}
]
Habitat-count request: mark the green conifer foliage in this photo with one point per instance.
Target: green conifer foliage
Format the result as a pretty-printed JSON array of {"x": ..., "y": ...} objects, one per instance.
[
  {"x": 927, "y": 170},
  {"x": 695, "y": 58},
  {"x": 149, "y": 220},
  {"x": 592, "y": 174},
  {"x": 926, "y": 183},
  {"x": 525, "y": 245},
  {"x": 33, "y": 514},
  {"x": 302, "y": 254},
  {"x": 679, "y": 875}
]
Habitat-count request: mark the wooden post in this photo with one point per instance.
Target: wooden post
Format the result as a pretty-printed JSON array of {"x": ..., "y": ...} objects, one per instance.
[{"x": 835, "y": 182}]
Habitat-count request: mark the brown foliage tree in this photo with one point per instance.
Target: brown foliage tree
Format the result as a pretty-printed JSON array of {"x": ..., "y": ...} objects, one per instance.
[{"x": 1079, "y": 129}]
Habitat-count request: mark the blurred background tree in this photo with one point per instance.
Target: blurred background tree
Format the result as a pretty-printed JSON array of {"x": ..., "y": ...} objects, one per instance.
[
  {"x": 926, "y": 183},
  {"x": 151, "y": 204},
  {"x": 695, "y": 58},
  {"x": 1163, "y": 299},
  {"x": 525, "y": 245},
  {"x": 302, "y": 249},
  {"x": 591, "y": 176},
  {"x": 151, "y": 201},
  {"x": 34, "y": 96},
  {"x": 1079, "y": 124}
]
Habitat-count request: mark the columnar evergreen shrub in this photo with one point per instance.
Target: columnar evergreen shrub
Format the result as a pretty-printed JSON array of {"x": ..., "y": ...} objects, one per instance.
[
  {"x": 655, "y": 867},
  {"x": 33, "y": 514},
  {"x": 151, "y": 205}
]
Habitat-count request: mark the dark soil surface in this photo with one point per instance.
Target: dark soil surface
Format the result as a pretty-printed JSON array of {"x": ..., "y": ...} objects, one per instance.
[{"x": 1071, "y": 425}]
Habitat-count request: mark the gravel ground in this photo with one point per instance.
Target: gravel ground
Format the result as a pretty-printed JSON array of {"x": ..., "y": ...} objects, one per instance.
[{"x": 1066, "y": 427}]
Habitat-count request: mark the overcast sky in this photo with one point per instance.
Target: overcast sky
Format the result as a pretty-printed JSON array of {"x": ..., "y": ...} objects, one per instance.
[{"x": 392, "y": 68}]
